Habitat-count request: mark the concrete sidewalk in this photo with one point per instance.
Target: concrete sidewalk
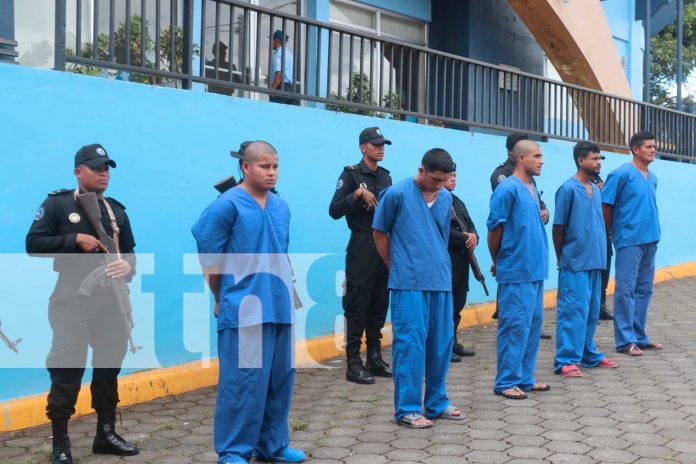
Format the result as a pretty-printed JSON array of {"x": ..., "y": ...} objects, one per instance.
[{"x": 642, "y": 412}]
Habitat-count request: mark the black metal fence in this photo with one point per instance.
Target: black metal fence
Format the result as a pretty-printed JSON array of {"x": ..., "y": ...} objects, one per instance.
[{"x": 227, "y": 46}]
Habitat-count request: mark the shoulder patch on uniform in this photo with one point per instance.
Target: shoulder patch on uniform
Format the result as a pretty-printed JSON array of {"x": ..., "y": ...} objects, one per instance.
[
  {"x": 60, "y": 192},
  {"x": 339, "y": 184},
  {"x": 39, "y": 214},
  {"x": 115, "y": 202},
  {"x": 501, "y": 178}
]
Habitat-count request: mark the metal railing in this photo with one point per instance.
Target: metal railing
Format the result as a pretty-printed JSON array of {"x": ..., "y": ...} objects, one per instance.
[
  {"x": 227, "y": 46},
  {"x": 8, "y": 54}
]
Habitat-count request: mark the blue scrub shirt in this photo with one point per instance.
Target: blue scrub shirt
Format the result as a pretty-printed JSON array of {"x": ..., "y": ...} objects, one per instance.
[
  {"x": 585, "y": 238},
  {"x": 235, "y": 233},
  {"x": 635, "y": 219},
  {"x": 418, "y": 237},
  {"x": 524, "y": 252}
]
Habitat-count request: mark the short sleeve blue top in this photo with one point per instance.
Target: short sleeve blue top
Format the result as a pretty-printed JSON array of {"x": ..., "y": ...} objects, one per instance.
[
  {"x": 584, "y": 235},
  {"x": 635, "y": 219},
  {"x": 277, "y": 64},
  {"x": 250, "y": 245},
  {"x": 418, "y": 237},
  {"x": 524, "y": 252}
]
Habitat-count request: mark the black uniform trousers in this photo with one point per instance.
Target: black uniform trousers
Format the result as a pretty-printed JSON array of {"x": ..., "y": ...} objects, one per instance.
[
  {"x": 366, "y": 299},
  {"x": 605, "y": 274},
  {"x": 80, "y": 321},
  {"x": 285, "y": 100},
  {"x": 460, "y": 285}
]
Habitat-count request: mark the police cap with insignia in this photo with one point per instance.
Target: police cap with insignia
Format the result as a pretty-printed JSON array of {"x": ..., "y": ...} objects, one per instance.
[
  {"x": 93, "y": 156},
  {"x": 512, "y": 140},
  {"x": 374, "y": 136}
]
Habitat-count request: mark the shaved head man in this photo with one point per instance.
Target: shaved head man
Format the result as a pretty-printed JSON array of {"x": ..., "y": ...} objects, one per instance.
[{"x": 518, "y": 246}]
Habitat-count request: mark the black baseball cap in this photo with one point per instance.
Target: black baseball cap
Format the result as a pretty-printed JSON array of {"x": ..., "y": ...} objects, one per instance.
[
  {"x": 93, "y": 156},
  {"x": 373, "y": 135}
]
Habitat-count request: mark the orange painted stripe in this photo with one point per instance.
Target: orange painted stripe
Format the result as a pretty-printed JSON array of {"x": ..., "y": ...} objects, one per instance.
[{"x": 140, "y": 387}]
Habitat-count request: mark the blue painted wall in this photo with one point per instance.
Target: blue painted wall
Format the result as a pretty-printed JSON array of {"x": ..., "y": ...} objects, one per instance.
[
  {"x": 171, "y": 146},
  {"x": 629, "y": 40}
]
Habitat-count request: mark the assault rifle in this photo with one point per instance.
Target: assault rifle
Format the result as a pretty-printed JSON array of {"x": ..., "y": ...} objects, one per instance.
[
  {"x": 11, "y": 344},
  {"x": 473, "y": 262},
  {"x": 90, "y": 205}
]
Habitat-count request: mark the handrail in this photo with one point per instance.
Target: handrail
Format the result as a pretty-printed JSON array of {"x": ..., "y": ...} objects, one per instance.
[{"x": 356, "y": 71}]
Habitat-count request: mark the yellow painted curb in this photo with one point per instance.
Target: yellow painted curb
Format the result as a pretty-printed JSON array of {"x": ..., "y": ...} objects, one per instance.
[{"x": 139, "y": 387}]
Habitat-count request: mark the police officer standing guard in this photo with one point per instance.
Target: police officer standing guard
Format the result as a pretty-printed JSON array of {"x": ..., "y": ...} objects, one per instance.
[
  {"x": 366, "y": 298},
  {"x": 462, "y": 238},
  {"x": 505, "y": 170},
  {"x": 61, "y": 230},
  {"x": 604, "y": 314}
]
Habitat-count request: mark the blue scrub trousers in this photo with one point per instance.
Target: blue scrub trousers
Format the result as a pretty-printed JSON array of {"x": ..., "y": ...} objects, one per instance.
[
  {"x": 253, "y": 404},
  {"x": 423, "y": 336},
  {"x": 520, "y": 315},
  {"x": 578, "y": 313},
  {"x": 635, "y": 272}
]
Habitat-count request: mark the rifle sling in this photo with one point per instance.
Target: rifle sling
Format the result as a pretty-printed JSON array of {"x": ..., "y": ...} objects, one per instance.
[{"x": 112, "y": 219}]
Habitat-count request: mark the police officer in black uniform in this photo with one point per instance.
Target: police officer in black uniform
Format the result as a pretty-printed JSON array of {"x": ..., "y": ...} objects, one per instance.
[
  {"x": 366, "y": 297},
  {"x": 604, "y": 313},
  {"x": 505, "y": 170},
  {"x": 61, "y": 230},
  {"x": 460, "y": 241}
]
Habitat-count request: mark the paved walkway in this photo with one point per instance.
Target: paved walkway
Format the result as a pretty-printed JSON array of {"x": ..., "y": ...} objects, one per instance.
[{"x": 643, "y": 412}]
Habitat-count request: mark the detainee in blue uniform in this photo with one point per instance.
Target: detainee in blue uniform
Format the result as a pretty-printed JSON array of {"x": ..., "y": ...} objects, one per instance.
[
  {"x": 242, "y": 240},
  {"x": 411, "y": 230},
  {"x": 519, "y": 250},
  {"x": 630, "y": 213},
  {"x": 580, "y": 242}
]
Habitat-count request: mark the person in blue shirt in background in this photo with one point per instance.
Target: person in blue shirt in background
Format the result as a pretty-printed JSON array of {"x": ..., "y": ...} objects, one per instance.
[
  {"x": 411, "y": 231},
  {"x": 519, "y": 250},
  {"x": 631, "y": 217},
  {"x": 282, "y": 69},
  {"x": 242, "y": 240},
  {"x": 580, "y": 242}
]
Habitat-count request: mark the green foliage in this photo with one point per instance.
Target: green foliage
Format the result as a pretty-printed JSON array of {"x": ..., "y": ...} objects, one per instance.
[
  {"x": 359, "y": 92},
  {"x": 139, "y": 53},
  {"x": 663, "y": 66}
]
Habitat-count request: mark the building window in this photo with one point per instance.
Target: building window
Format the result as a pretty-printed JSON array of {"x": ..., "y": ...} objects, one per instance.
[
  {"x": 396, "y": 74},
  {"x": 378, "y": 22}
]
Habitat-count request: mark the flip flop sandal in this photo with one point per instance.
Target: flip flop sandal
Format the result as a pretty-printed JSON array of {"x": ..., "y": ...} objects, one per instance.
[
  {"x": 632, "y": 350},
  {"x": 409, "y": 421},
  {"x": 571, "y": 371},
  {"x": 513, "y": 394},
  {"x": 448, "y": 414},
  {"x": 541, "y": 387},
  {"x": 608, "y": 363},
  {"x": 652, "y": 346}
]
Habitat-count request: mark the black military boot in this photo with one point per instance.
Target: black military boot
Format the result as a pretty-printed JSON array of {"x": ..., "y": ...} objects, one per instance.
[
  {"x": 459, "y": 350},
  {"x": 375, "y": 364},
  {"x": 605, "y": 315},
  {"x": 61, "y": 442},
  {"x": 355, "y": 371},
  {"x": 107, "y": 441}
]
